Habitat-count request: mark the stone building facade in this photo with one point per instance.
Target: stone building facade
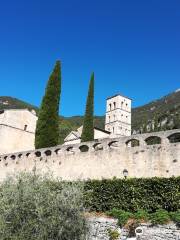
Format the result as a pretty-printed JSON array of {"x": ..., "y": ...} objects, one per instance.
[
  {"x": 117, "y": 121},
  {"x": 118, "y": 115},
  {"x": 75, "y": 136},
  {"x": 17, "y": 130}
]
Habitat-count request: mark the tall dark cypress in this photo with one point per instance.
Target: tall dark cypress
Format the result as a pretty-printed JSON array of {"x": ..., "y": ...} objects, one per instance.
[
  {"x": 47, "y": 128},
  {"x": 88, "y": 126}
]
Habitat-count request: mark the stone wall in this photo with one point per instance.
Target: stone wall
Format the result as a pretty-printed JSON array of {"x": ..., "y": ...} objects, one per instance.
[
  {"x": 160, "y": 232},
  {"x": 99, "y": 228},
  {"x": 101, "y": 159}
]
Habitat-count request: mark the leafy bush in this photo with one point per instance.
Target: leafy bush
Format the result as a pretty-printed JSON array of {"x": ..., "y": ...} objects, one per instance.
[
  {"x": 30, "y": 209},
  {"x": 160, "y": 217},
  {"x": 113, "y": 234},
  {"x": 131, "y": 221},
  {"x": 175, "y": 216},
  {"x": 141, "y": 215},
  {"x": 148, "y": 194},
  {"x": 121, "y": 215}
]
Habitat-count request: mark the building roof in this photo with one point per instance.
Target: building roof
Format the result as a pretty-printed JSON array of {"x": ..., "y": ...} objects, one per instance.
[
  {"x": 18, "y": 110},
  {"x": 102, "y": 130},
  {"x": 118, "y": 94},
  {"x": 78, "y": 133}
]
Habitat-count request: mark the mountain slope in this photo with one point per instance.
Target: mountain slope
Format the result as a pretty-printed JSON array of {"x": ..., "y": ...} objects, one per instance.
[
  {"x": 14, "y": 103},
  {"x": 162, "y": 114}
]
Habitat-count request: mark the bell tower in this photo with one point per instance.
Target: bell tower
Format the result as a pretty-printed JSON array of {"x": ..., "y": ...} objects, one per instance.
[{"x": 118, "y": 115}]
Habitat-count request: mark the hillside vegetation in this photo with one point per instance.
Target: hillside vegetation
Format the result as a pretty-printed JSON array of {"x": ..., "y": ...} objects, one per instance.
[
  {"x": 14, "y": 103},
  {"x": 161, "y": 114}
]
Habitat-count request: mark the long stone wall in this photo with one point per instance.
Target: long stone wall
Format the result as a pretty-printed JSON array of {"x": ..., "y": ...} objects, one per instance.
[{"x": 107, "y": 158}]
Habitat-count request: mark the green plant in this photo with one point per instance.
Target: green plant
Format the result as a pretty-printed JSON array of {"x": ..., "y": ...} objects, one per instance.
[
  {"x": 88, "y": 125},
  {"x": 175, "y": 216},
  {"x": 31, "y": 209},
  {"x": 141, "y": 215},
  {"x": 160, "y": 217},
  {"x": 130, "y": 195},
  {"x": 121, "y": 215},
  {"x": 113, "y": 234},
  {"x": 47, "y": 128}
]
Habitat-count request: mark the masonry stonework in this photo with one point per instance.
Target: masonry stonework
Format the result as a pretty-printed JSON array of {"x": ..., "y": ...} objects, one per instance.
[
  {"x": 118, "y": 115},
  {"x": 99, "y": 227},
  {"x": 101, "y": 159}
]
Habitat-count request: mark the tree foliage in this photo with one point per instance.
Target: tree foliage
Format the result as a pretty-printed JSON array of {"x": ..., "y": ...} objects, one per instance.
[
  {"x": 47, "y": 129},
  {"x": 31, "y": 209},
  {"x": 88, "y": 125}
]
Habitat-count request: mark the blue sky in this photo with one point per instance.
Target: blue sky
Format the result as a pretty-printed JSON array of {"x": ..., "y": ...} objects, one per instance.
[{"x": 133, "y": 46}]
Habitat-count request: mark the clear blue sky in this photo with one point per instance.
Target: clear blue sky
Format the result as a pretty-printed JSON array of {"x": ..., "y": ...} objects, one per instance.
[{"x": 133, "y": 46}]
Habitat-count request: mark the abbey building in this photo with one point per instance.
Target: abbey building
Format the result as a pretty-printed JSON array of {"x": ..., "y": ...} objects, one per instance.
[
  {"x": 17, "y": 126},
  {"x": 17, "y": 130},
  {"x": 117, "y": 121}
]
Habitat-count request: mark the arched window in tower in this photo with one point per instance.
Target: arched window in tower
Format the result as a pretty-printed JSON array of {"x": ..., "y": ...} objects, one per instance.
[
  {"x": 25, "y": 127},
  {"x": 109, "y": 119},
  {"x": 113, "y": 129},
  {"x": 121, "y": 104},
  {"x": 114, "y": 105},
  {"x": 114, "y": 117},
  {"x": 110, "y": 107}
]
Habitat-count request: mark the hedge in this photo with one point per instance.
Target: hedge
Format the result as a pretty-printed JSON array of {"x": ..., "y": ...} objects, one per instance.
[
  {"x": 130, "y": 195},
  {"x": 148, "y": 194}
]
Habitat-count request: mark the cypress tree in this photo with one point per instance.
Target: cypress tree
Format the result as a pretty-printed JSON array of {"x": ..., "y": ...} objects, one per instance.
[
  {"x": 88, "y": 126},
  {"x": 47, "y": 128}
]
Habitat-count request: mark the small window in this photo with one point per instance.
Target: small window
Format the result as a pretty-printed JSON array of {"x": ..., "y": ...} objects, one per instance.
[
  {"x": 25, "y": 127},
  {"x": 109, "y": 119},
  {"x": 121, "y": 104},
  {"x": 114, "y": 117},
  {"x": 114, "y": 105},
  {"x": 110, "y": 106},
  {"x": 113, "y": 129}
]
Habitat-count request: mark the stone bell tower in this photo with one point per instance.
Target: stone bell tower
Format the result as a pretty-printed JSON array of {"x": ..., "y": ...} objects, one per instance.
[{"x": 118, "y": 115}]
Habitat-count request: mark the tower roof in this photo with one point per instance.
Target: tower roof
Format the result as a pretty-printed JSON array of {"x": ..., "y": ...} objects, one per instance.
[{"x": 118, "y": 94}]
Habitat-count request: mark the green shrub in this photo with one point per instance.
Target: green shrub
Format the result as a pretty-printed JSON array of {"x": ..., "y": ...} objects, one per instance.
[
  {"x": 113, "y": 234},
  {"x": 141, "y": 215},
  {"x": 30, "y": 209},
  {"x": 121, "y": 215},
  {"x": 160, "y": 217},
  {"x": 131, "y": 221},
  {"x": 148, "y": 194},
  {"x": 175, "y": 216}
]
